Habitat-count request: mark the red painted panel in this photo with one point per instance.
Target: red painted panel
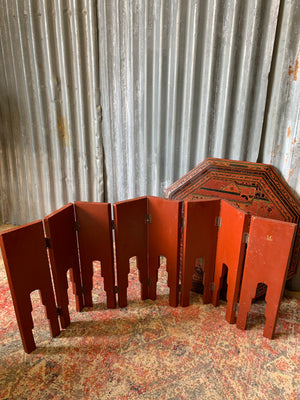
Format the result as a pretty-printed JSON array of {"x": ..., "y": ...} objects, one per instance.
[
  {"x": 267, "y": 259},
  {"x": 131, "y": 240},
  {"x": 230, "y": 254},
  {"x": 25, "y": 258},
  {"x": 164, "y": 240},
  {"x": 199, "y": 241},
  {"x": 95, "y": 243},
  {"x": 63, "y": 251}
]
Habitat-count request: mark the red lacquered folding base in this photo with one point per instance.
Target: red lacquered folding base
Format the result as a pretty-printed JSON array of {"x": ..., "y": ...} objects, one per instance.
[
  {"x": 164, "y": 240},
  {"x": 131, "y": 241},
  {"x": 230, "y": 255},
  {"x": 95, "y": 242},
  {"x": 25, "y": 258},
  {"x": 199, "y": 243},
  {"x": 267, "y": 260},
  {"x": 61, "y": 232}
]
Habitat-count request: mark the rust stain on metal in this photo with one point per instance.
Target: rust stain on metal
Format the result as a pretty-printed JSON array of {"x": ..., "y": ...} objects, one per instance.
[
  {"x": 63, "y": 131},
  {"x": 288, "y": 132},
  {"x": 291, "y": 171},
  {"x": 274, "y": 153},
  {"x": 294, "y": 69}
]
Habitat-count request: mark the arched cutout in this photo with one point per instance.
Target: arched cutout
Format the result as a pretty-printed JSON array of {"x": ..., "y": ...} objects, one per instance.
[
  {"x": 162, "y": 277},
  {"x": 221, "y": 291},
  {"x": 134, "y": 284},
  {"x": 39, "y": 317},
  {"x": 256, "y": 315},
  {"x": 198, "y": 276},
  {"x": 98, "y": 294},
  {"x": 71, "y": 291}
]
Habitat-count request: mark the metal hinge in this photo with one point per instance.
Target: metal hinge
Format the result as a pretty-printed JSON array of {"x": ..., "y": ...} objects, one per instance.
[
  {"x": 59, "y": 311},
  {"x": 148, "y": 282},
  {"x": 113, "y": 224},
  {"x": 76, "y": 225},
  {"x": 116, "y": 289},
  {"x": 148, "y": 219},
  {"x": 48, "y": 242},
  {"x": 245, "y": 237},
  {"x": 182, "y": 222},
  {"x": 212, "y": 286},
  {"x": 218, "y": 221}
]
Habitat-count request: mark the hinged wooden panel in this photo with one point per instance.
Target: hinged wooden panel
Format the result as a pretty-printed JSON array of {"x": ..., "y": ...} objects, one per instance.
[
  {"x": 199, "y": 241},
  {"x": 230, "y": 255},
  {"x": 64, "y": 256},
  {"x": 131, "y": 240},
  {"x": 164, "y": 240},
  {"x": 95, "y": 243},
  {"x": 26, "y": 263},
  {"x": 267, "y": 259}
]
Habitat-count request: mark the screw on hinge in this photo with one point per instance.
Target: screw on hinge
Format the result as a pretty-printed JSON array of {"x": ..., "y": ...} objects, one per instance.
[
  {"x": 245, "y": 237},
  {"x": 116, "y": 289},
  {"x": 48, "y": 242},
  {"x": 148, "y": 219},
  {"x": 212, "y": 286},
  {"x": 148, "y": 282},
  {"x": 113, "y": 224},
  {"x": 59, "y": 311},
  {"x": 218, "y": 221},
  {"x": 76, "y": 225}
]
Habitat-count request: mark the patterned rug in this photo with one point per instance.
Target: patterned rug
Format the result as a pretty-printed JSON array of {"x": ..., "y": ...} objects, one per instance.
[{"x": 149, "y": 350}]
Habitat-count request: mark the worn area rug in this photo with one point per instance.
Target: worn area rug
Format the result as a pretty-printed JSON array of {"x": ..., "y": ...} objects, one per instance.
[{"x": 149, "y": 350}]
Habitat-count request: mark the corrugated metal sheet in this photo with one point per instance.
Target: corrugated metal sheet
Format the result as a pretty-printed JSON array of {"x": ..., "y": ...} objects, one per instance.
[
  {"x": 281, "y": 144},
  {"x": 180, "y": 81},
  {"x": 51, "y": 146},
  {"x": 281, "y": 136}
]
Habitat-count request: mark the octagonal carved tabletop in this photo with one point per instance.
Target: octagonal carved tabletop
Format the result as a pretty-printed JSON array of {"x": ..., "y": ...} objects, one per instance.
[{"x": 254, "y": 187}]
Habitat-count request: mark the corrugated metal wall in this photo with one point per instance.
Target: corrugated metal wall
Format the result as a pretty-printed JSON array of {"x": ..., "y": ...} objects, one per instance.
[
  {"x": 50, "y": 130},
  {"x": 281, "y": 133},
  {"x": 180, "y": 81},
  {"x": 174, "y": 81},
  {"x": 281, "y": 140}
]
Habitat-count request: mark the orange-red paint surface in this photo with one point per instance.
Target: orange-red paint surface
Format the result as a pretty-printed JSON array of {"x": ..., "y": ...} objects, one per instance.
[
  {"x": 131, "y": 240},
  {"x": 199, "y": 241},
  {"x": 230, "y": 255},
  {"x": 26, "y": 263},
  {"x": 164, "y": 240},
  {"x": 63, "y": 252},
  {"x": 95, "y": 244},
  {"x": 268, "y": 253}
]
